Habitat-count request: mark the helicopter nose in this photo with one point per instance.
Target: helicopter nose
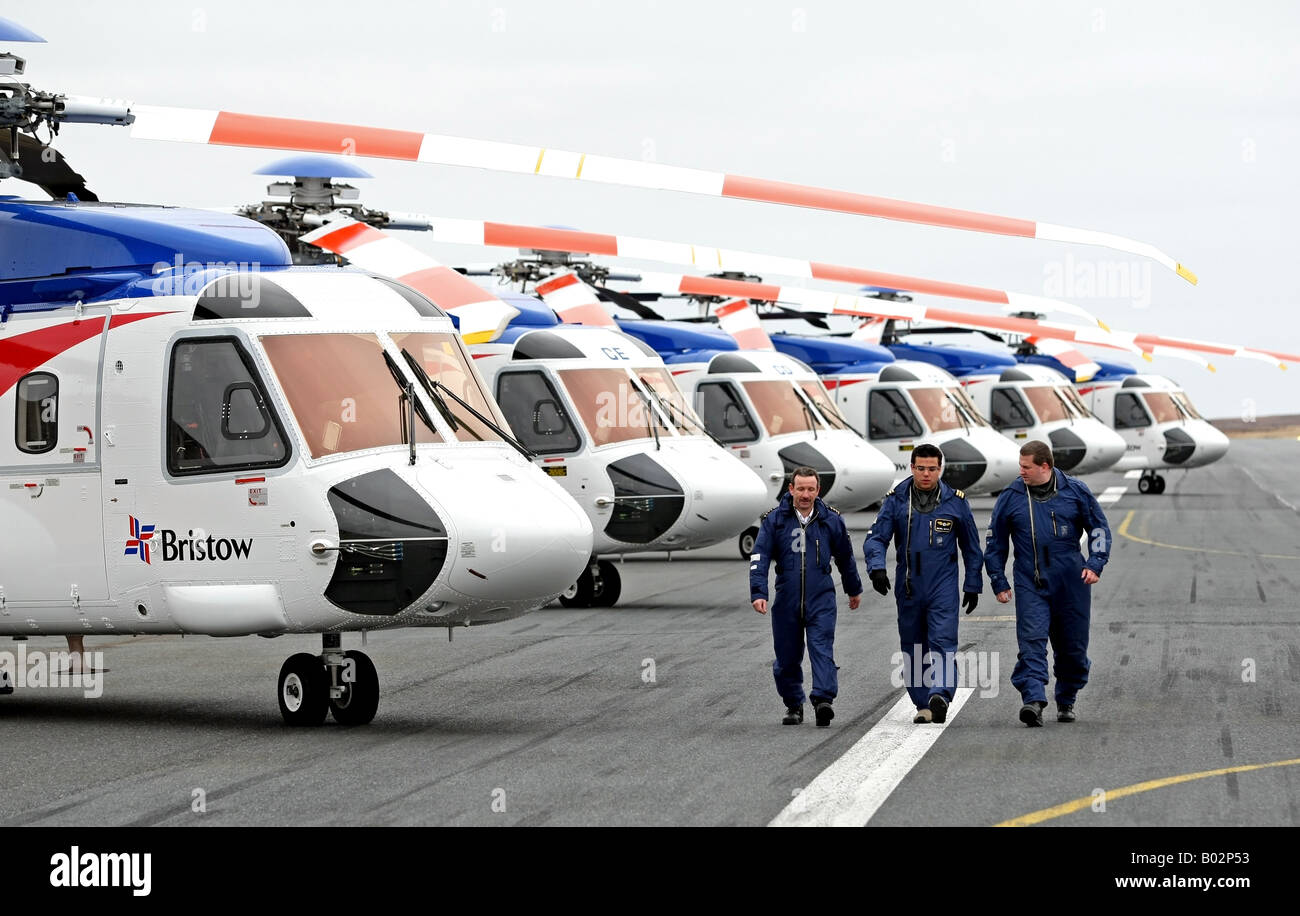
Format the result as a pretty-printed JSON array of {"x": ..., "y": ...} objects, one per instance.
[
  {"x": 981, "y": 461},
  {"x": 517, "y": 537},
  {"x": 862, "y": 473},
  {"x": 1211, "y": 444},
  {"x": 723, "y": 496},
  {"x": 1085, "y": 446}
]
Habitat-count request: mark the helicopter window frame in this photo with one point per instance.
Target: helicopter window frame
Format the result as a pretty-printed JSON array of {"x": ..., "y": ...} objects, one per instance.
[
  {"x": 554, "y": 397},
  {"x": 258, "y": 403},
  {"x": 900, "y": 405},
  {"x": 24, "y": 404},
  {"x": 1014, "y": 403},
  {"x": 256, "y": 381},
  {"x": 728, "y": 435},
  {"x": 1133, "y": 399}
]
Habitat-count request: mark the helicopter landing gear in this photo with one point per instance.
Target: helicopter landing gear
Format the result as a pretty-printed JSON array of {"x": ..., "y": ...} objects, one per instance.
[
  {"x": 343, "y": 683},
  {"x": 746, "y": 542},
  {"x": 1151, "y": 482},
  {"x": 599, "y": 586}
]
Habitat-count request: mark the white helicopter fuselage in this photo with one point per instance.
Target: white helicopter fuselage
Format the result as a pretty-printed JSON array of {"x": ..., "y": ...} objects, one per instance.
[
  {"x": 1028, "y": 402},
  {"x": 1160, "y": 427},
  {"x": 907, "y": 403},
  {"x": 773, "y": 412},
  {"x": 193, "y": 463},
  {"x": 640, "y": 466}
]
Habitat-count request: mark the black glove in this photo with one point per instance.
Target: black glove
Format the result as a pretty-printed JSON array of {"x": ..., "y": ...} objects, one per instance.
[
  {"x": 879, "y": 581},
  {"x": 970, "y": 600}
]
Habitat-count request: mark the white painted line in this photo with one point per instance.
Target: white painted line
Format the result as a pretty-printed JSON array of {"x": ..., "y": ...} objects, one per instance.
[
  {"x": 850, "y": 791},
  {"x": 1258, "y": 483},
  {"x": 1111, "y": 495}
]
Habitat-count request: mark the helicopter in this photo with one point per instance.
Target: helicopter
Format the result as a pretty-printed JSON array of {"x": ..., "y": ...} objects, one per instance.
[
  {"x": 181, "y": 465},
  {"x": 602, "y": 416}
]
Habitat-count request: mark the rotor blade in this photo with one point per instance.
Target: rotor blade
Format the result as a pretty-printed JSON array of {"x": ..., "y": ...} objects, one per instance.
[
  {"x": 226, "y": 128},
  {"x": 1082, "y": 367},
  {"x": 628, "y": 301},
  {"x": 45, "y": 167},
  {"x": 870, "y": 331},
  {"x": 480, "y": 315},
  {"x": 738, "y": 318},
  {"x": 506, "y": 235},
  {"x": 574, "y": 301}
]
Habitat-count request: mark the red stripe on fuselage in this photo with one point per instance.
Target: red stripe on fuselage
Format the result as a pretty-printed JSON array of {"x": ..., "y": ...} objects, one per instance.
[{"x": 26, "y": 352}]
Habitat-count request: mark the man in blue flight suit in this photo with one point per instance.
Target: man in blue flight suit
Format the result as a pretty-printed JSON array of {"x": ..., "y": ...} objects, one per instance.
[
  {"x": 927, "y": 520},
  {"x": 1044, "y": 514},
  {"x": 803, "y": 535}
]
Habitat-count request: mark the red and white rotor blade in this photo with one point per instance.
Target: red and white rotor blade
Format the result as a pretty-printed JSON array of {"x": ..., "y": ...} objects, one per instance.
[
  {"x": 574, "y": 301},
  {"x": 227, "y": 128},
  {"x": 738, "y": 318},
  {"x": 480, "y": 315},
  {"x": 506, "y": 235},
  {"x": 872, "y": 330},
  {"x": 1080, "y": 365}
]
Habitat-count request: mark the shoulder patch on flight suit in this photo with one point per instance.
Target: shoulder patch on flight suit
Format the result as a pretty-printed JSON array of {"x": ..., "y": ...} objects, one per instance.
[
  {"x": 767, "y": 513},
  {"x": 891, "y": 491},
  {"x": 960, "y": 494},
  {"x": 833, "y": 509}
]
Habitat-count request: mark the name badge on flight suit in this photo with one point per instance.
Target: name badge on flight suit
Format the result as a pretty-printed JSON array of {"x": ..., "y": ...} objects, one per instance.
[{"x": 940, "y": 528}]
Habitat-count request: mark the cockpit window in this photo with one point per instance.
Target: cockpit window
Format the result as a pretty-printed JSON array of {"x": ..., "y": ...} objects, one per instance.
[
  {"x": 611, "y": 408},
  {"x": 779, "y": 407},
  {"x": 444, "y": 360},
  {"x": 218, "y": 417},
  {"x": 724, "y": 412},
  {"x": 1129, "y": 412},
  {"x": 890, "y": 417},
  {"x": 958, "y": 394},
  {"x": 1075, "y": 401},
  {"x": 341, "y": 392},
  {"x": 938, "y": 409},
  {"x": 1162, "y": 406},
  {"x": 1186, "y": 404},
  {"x": 1047, "y": 403},
  {"x": 821, "y": 400},
  {"x": 671, "y": 401},
  {"x": 1009, "y": 409},
  {"x": 536, "y": 414}
]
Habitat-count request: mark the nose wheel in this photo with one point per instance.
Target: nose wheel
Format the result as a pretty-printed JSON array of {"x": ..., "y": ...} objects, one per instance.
[
  {"x": 600, "y": 585},
  {"x": 344, "y": 684},
  {"x": 1151, "y": 482},
  {"x": 746, "y": 542}
]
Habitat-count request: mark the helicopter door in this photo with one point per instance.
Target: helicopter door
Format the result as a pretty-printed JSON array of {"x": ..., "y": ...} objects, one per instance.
[{"x": 49, "y": 469}]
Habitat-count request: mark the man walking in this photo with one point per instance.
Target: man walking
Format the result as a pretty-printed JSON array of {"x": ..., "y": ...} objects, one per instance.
[
  {"x": 803, "y": 535},
  {"x": 928, "y": 521},
  {"x": 1044, "y": 514}
]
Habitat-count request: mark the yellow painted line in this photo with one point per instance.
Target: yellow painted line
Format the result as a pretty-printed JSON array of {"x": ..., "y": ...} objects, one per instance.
[
  {"x": 1047, "y": 814},
  {"x": 540, "y": 153},
  {"x": 581, "y": 161},
  {"x": 1186, "y": 274},
  {"x": 1122, "y": 531}
]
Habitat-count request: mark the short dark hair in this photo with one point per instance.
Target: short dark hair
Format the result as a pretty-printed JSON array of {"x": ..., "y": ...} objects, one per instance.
[
  {"x": 926, "y": 450},
  {"x": 1040, "y": 451},
  {"x": 805, "y": 472}
]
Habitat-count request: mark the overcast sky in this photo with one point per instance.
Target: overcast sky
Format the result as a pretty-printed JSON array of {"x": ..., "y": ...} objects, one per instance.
[{"x": 1174, "y": 123}]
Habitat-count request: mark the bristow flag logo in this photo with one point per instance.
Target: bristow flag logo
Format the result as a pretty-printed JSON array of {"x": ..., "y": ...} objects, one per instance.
[
  {"x": 195, "y": 545},
  {"x": 138, "y": 543}
]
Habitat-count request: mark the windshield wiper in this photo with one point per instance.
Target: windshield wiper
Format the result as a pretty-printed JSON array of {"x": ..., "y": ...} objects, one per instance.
[
  {"x": 961, "y": 411},
  {"x": 1069, "y": 414},
  {"x": 431, "y": 385},
  {"x": 649, "y": 410},
  {"x": 413, "y": 406},
  {"x": 674, "y": 414},
  {"x": 807, "y": 409}
]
